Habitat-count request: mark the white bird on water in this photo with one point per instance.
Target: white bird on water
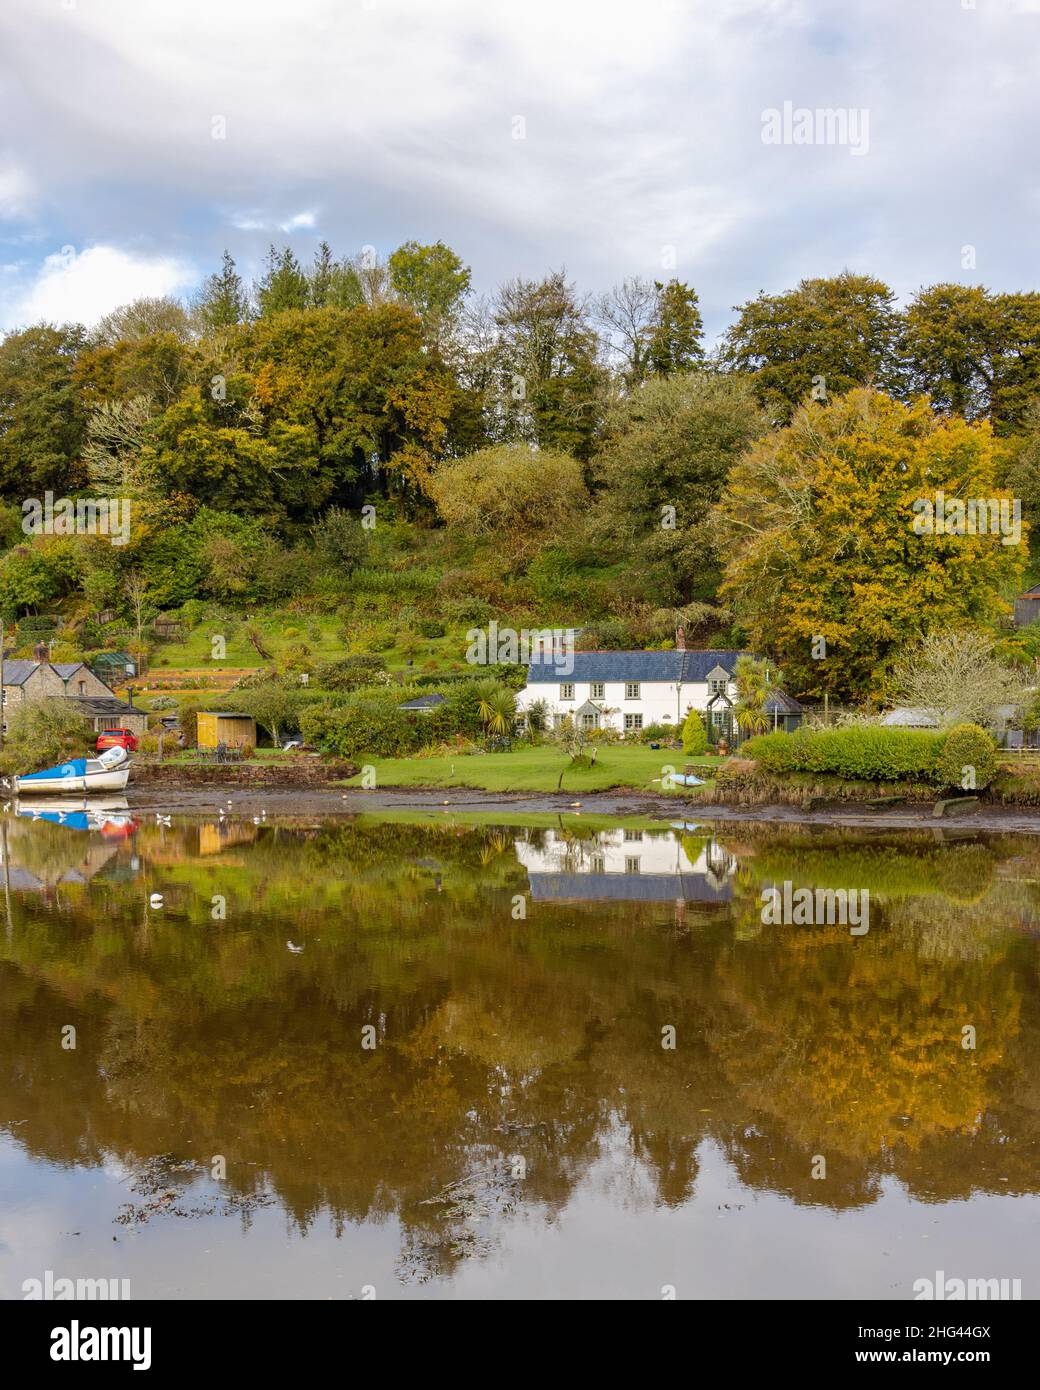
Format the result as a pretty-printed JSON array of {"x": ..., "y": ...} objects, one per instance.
[
  {"x": 295, "y": 949},
  {"x": 161, "y": 820}
]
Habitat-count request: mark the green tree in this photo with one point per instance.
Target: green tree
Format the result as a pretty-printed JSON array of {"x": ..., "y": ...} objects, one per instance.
[
  {"x": 43, "y": 414},
  {"x": 433, "y": 280},
  {"x": 222, "y": 301},
  {"x": 667, "y": 451},
  {"x": 42, "y": 733},
  {"x": 676, "y": 330},
  {"x": 828, "y": 335},
  {"x": 694, "y": 736},
  {"x": 283, "y": 284}
]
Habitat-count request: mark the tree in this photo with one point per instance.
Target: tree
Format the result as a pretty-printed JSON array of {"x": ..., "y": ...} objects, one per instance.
[
  {"x": 433, "y": 280},
  {"x": 43, "y": 414},
  {"x": 321, "y": 278},
  {"x": 827, "y": 565},
  {"x": 958, "y": 677},
  {"x": 283, "y": 284},
  {"x": 667, "y": 451},
  {"x": 829, "y": 335},
  {"x": 675, "y": 330},
  {"x": 339, "y": 542},
  {"x": 518, "y": 498},
  {"x": 142, "y": 318},
  {"x": 548, "y": 373},
  {"x": 135, "y": 587},
  {"x": 694, "y": 736},
  {"x": 754, "y": 681},
  {"x": 222, "y": 301},
  {"x": 274, "y": 706},
  {"x": 497, "y": 708},
  {"x": 974, "y": 352}
]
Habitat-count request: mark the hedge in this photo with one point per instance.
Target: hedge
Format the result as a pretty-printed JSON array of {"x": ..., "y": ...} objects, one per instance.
[{"x": 875, "y": 754}]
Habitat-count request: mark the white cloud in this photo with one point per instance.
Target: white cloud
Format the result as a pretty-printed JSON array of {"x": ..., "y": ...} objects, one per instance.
[
  {"x": 299, "y": 221},
  {"x": 15, "y": 192},
  {"x": 81, "y": 287}
]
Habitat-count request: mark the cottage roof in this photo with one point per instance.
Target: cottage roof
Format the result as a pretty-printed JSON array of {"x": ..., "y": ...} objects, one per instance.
[
  {"x": 65, "y": 669},
  {"x": 103, "y": 705},
  {"x": 424, "y": 702},
  {"x": 777, "y": 702},
  {"x": 670, "y": 667},
  {"x": 903, "y": 717},
  {"x": 652, "y": 888},
  {"x": 18, "y": 672}
]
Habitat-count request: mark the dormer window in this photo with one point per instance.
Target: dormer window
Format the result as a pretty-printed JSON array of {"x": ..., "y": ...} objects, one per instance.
[{"x": 718, "y": 680}]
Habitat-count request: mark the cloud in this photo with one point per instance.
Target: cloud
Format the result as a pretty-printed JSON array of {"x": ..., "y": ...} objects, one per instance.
[
  {"x": 81, "y": 287},
  {"x": 639, "y": 150}
]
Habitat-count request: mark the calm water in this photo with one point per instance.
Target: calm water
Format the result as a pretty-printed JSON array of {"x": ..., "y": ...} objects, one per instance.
[{"x": 514, "y": 1126}]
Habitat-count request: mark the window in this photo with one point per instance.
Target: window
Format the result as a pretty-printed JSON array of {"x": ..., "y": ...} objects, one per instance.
[
  {"x": 633, "y": 834},
  {"x": 631, "y": 690},
  {"x": 597, "y": 864},
  {"x": 717, "y": 686},
  {"x": 82, "y": 687},
  {"x": 598, "y": 690},
  {"x": 633, "y": 721},
  {"x": 589, "y": 721},
  {"x": 718, "y": 717},
  {"x": 567, "y": 691},
  {"x": 632, "y": 864}
]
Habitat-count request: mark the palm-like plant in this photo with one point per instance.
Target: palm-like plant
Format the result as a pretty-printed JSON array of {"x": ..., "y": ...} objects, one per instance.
[
  {"x": 496, "y": 707},
  {"x": 755, "y": 681}
]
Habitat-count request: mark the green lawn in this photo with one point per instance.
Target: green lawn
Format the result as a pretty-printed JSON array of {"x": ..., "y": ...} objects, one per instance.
[{"x": 536, "y": 770}]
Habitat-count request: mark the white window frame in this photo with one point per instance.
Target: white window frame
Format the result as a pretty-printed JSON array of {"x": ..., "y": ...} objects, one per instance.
[
  {"x": 566, "y": 690},
  {"x": 632, "y": 690},
  {"x": 633, "y": 722},
  {"x": 631, "y": 864},
  {"x": 597, "y": 690}
]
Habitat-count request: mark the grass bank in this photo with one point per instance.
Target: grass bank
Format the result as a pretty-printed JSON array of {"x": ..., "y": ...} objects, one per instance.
[{"x": 538, "y": 770}]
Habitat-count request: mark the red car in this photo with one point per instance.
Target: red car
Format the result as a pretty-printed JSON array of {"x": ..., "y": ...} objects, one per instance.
[{"x": 117, "y": 738}]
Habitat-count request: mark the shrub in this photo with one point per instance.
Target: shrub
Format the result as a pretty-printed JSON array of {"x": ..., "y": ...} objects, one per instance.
[
  {"x": 861, "y": 754},
  {"x": 694, "y": 738},
  {"x": 44, "y": 732},
  {"x": 362, "y": 726},
  {"x": 349, "y": 673},
  {"x": 429, "y": 627},
  {"x": 968, "y": 758}
]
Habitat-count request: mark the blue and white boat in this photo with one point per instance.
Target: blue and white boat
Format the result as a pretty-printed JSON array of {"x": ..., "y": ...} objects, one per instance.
[{"x": 109, "y": 772}]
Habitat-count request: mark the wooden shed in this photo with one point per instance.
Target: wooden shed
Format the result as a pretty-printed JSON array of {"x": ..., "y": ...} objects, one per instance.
[{"x": 233, "y": 730}]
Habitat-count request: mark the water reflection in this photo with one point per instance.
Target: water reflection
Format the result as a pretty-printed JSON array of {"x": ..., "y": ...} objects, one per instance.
[{"x": 515, "y": 983}]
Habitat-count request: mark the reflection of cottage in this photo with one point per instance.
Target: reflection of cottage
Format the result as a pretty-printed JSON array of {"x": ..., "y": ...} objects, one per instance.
[
  {"x": 628, "y": 866},
  {"x": 45, "y": 680}
]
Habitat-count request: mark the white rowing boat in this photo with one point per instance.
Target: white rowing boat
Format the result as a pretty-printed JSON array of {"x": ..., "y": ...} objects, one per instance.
[{"x": 109, "y": 772}]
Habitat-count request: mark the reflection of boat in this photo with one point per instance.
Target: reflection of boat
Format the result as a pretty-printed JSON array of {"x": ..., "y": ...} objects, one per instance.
[
  {"x": 110, "y": 817},
  {"x": 109, "y": 772}
]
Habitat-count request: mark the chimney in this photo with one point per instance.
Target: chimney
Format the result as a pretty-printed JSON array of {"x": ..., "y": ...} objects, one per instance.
[
  {"x": 680, "y": 639},
  {"x": 40, "y": 652},
  {"x": 130, "y": 696}
]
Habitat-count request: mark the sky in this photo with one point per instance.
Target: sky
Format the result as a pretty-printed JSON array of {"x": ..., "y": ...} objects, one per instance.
[{"x": 613, "y": 138}]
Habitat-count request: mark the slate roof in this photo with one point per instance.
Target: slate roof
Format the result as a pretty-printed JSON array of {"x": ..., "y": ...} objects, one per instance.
[
  {"x": 103, "y": 706},
  {"x": 671, "y": 666},
  {"x": 18, "y": 672},
  {"x": 424, "y": 702},
  {"x": 65, "y": 669},
  {"x": 779, "y": 703}
]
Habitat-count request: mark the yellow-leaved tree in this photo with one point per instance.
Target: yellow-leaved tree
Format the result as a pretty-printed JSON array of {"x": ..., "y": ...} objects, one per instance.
[{"x": 844, "y": 543}]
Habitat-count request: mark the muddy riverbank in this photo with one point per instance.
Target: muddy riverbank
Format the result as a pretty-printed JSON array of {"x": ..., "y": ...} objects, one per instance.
[{"x": 279, "y": 799}]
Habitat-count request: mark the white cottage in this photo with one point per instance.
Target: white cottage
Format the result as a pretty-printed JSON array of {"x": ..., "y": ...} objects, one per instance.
[{"x": 628, "y": 691}]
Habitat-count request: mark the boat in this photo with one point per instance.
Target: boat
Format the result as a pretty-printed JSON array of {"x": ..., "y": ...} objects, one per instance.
[
  {"x": 685, "y": 779},
  {"x": 109, "y": 772}
]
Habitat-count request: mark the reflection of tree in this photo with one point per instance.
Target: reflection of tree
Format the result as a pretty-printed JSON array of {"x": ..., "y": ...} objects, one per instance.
[{"x": 539, "y": 1038}]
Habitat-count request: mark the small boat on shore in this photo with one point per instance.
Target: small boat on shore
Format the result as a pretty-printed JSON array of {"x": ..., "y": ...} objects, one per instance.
[{"x": 109, "y": 772}]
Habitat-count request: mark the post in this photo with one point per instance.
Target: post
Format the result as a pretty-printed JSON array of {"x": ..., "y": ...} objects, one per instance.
[{"x": 1, "y": 685}]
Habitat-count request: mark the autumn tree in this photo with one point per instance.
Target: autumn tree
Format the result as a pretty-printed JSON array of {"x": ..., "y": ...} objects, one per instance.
[
  {"x": 515, "y": 497},
  {"x": 824, "y": 566},
  {"x": 43, "y": 416}
]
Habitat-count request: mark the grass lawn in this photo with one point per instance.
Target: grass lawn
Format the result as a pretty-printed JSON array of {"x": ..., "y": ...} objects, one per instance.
[{"x": 536, "y": 770}]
